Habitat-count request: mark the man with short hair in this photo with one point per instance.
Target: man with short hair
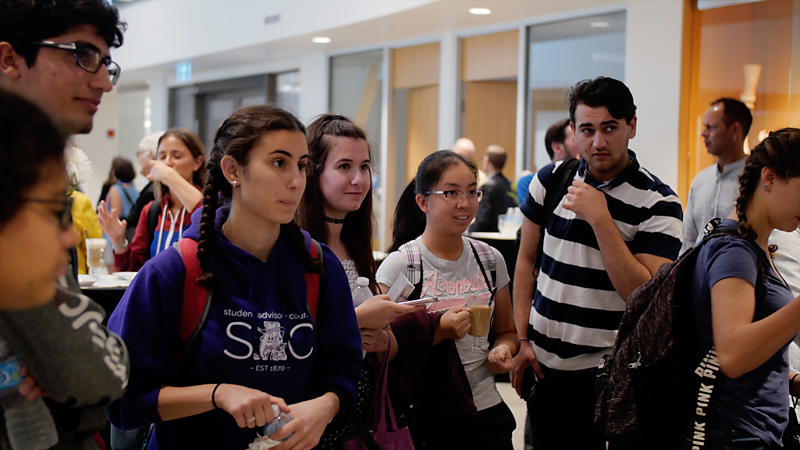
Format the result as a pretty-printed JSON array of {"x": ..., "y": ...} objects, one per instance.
[
  {"x": 609, "y": 234},
  {"x": 56, "y": 54},
  {"x": 466, "y": 148},
  {"x": 559, "y": 141},
  {"x": 497, "y": 193},
  {"x": 715, "y": 189}
]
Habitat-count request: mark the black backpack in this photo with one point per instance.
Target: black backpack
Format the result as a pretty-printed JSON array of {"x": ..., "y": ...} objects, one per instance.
[
  {"x": 652, "y": 381},
  {"x": 563, "y": 176}
]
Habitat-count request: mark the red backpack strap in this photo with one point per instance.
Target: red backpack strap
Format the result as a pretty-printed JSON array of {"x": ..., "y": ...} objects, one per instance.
[
  {"x": 312, "y": 279},
  {"x": 194, "y": 295}
]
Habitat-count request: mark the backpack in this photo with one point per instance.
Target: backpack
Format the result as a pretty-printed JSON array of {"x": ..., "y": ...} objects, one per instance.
[
  {"x": 652, "y": 381},
  {"x": 483, "y": 254},
  {"x": 194, "y": 313},
  {"x": 557, "y": 190},
  {"x": 152, "y": 219},
  {"x": 193, "y": 316}
]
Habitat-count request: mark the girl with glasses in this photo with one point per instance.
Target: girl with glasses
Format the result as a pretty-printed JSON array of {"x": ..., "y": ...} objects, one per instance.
[
  {"x": 450, "y": 383},
  {"x": 262, "y": 342},
  {"x": 57, "y": 335}
]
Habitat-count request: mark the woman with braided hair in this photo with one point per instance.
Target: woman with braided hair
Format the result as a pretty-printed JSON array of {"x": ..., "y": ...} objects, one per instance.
[
  {"x": 263, "y": 343},
  {"x": 742, "y": 306}
]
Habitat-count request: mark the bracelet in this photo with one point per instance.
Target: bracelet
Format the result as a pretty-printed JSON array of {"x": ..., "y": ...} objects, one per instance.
[
  {"x": 213, "y": 394},
  {"x": 524, "y": 339},
  {"x": 121, "y": 246}
]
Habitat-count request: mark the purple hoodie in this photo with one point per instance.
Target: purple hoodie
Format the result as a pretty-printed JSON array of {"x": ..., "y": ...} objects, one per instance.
[{"x": 258, "y": 335}]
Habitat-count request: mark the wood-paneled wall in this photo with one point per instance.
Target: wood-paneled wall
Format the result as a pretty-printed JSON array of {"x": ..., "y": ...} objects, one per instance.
[
  {"x": 416, "y": 66},
  {"x": 723, "y": 41},
  {"x": 490, "y": 117},
  {"x": 489, "y": 69},
  {"x": 490, "y": 57}
]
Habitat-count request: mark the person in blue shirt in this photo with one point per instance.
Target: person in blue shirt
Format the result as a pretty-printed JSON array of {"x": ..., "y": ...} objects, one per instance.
[
  {"x": 122, "y": 195},
  {"x": 262, "y": 344}
]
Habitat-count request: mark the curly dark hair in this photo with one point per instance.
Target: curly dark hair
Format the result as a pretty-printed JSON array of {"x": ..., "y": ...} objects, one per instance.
[
  {"x": 359, "y": 224},
  {"x": 409, "y": 220},
  {"x": 26, "y": 21},
  {"x": 31, "y": 144},
  {"x": 780, "y": 151},
  {"x": 236, "y": 137}
]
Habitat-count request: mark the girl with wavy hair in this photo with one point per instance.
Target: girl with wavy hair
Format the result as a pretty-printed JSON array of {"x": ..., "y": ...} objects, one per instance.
[{"x": 337, "y": 210}]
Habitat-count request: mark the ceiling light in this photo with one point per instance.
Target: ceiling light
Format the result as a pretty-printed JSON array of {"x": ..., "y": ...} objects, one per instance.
[
  {"x": 321, "y": 40},
  {"x": 599, "y": 24},
  {"x": 480, "y": 11}
]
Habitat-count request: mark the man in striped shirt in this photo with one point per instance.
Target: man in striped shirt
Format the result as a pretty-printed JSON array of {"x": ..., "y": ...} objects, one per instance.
[{"x": 611, "y": 232}]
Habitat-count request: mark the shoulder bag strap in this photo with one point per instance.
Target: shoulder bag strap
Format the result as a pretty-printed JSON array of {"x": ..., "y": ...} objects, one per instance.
[
  {"x": 485, "y": 256},
  {"x": 312, "y": 279},
  {"x": 564, "y": 174}
]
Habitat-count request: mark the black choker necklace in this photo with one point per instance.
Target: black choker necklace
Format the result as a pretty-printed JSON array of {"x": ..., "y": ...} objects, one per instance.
[{"x": 332, "y": 220}]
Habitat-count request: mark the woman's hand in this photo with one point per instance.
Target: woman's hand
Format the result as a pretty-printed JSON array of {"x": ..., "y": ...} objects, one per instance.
[
  {"x": 379, "y": 311},
  {"x": 455, "y": 323},
  {"x": 309, "y": 419},
  {"x": 374, "y": 340},
  {"x": 499, "y": 360},
  {"x": 244, "y": 404},
  {"x": 111, "y": 224},
  {"x": 162, "y": 173}
]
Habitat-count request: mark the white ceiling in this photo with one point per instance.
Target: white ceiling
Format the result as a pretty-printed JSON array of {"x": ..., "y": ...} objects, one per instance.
[{"x": 428, "y": 20}]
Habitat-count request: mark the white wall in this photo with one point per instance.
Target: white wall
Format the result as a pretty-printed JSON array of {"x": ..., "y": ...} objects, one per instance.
[
  {"x": 99, "y": 147},
  {"x": 653, "y": 73}
]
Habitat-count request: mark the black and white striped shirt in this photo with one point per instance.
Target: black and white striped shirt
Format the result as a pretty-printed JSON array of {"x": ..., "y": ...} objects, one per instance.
[{"x": 576, "y": 310}]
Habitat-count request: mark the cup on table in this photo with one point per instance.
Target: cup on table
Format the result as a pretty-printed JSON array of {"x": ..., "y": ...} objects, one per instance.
[{"x": 95, "y": 252}]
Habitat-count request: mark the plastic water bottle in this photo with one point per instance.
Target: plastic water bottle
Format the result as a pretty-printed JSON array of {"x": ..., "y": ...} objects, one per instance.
[
  {"x": 280, "y": 419},
  {"x": 361, "y": 292},
  {"x": 29, "y": 424}
]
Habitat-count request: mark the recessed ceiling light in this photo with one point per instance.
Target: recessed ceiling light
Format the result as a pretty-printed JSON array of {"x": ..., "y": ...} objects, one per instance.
[
  {"x": 599, "y": 24},
  {"x": 480, "y": 11},
  {"x": 321, "y": 40}
]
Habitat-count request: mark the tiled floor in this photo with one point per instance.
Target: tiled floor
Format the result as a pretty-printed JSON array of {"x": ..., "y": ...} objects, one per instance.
[{"x": 518, "y": 408}]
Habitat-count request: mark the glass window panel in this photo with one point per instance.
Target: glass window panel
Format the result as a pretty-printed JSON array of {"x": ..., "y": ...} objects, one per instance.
[{"x": 559, "y": 55}]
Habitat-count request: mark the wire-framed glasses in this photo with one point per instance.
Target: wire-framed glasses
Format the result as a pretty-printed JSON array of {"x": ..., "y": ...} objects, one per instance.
[{"x": 455, "y": 195}]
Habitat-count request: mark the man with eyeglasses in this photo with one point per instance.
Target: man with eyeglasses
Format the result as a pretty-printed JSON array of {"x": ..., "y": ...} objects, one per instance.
[{"x": 55, "y": 53}]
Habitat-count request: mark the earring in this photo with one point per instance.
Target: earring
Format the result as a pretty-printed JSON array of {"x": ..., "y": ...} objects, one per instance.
[
  {"x": 235, "y": 183},
  {"x": 766, "y": 186}
]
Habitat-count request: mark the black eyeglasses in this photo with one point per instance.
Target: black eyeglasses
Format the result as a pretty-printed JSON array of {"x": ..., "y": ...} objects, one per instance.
[
  {"x": 87, "y": 57},
  {"x": 64, "y": 213}
]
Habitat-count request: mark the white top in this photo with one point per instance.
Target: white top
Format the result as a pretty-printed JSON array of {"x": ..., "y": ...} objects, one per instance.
[{"x": 453, "y": 282}]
